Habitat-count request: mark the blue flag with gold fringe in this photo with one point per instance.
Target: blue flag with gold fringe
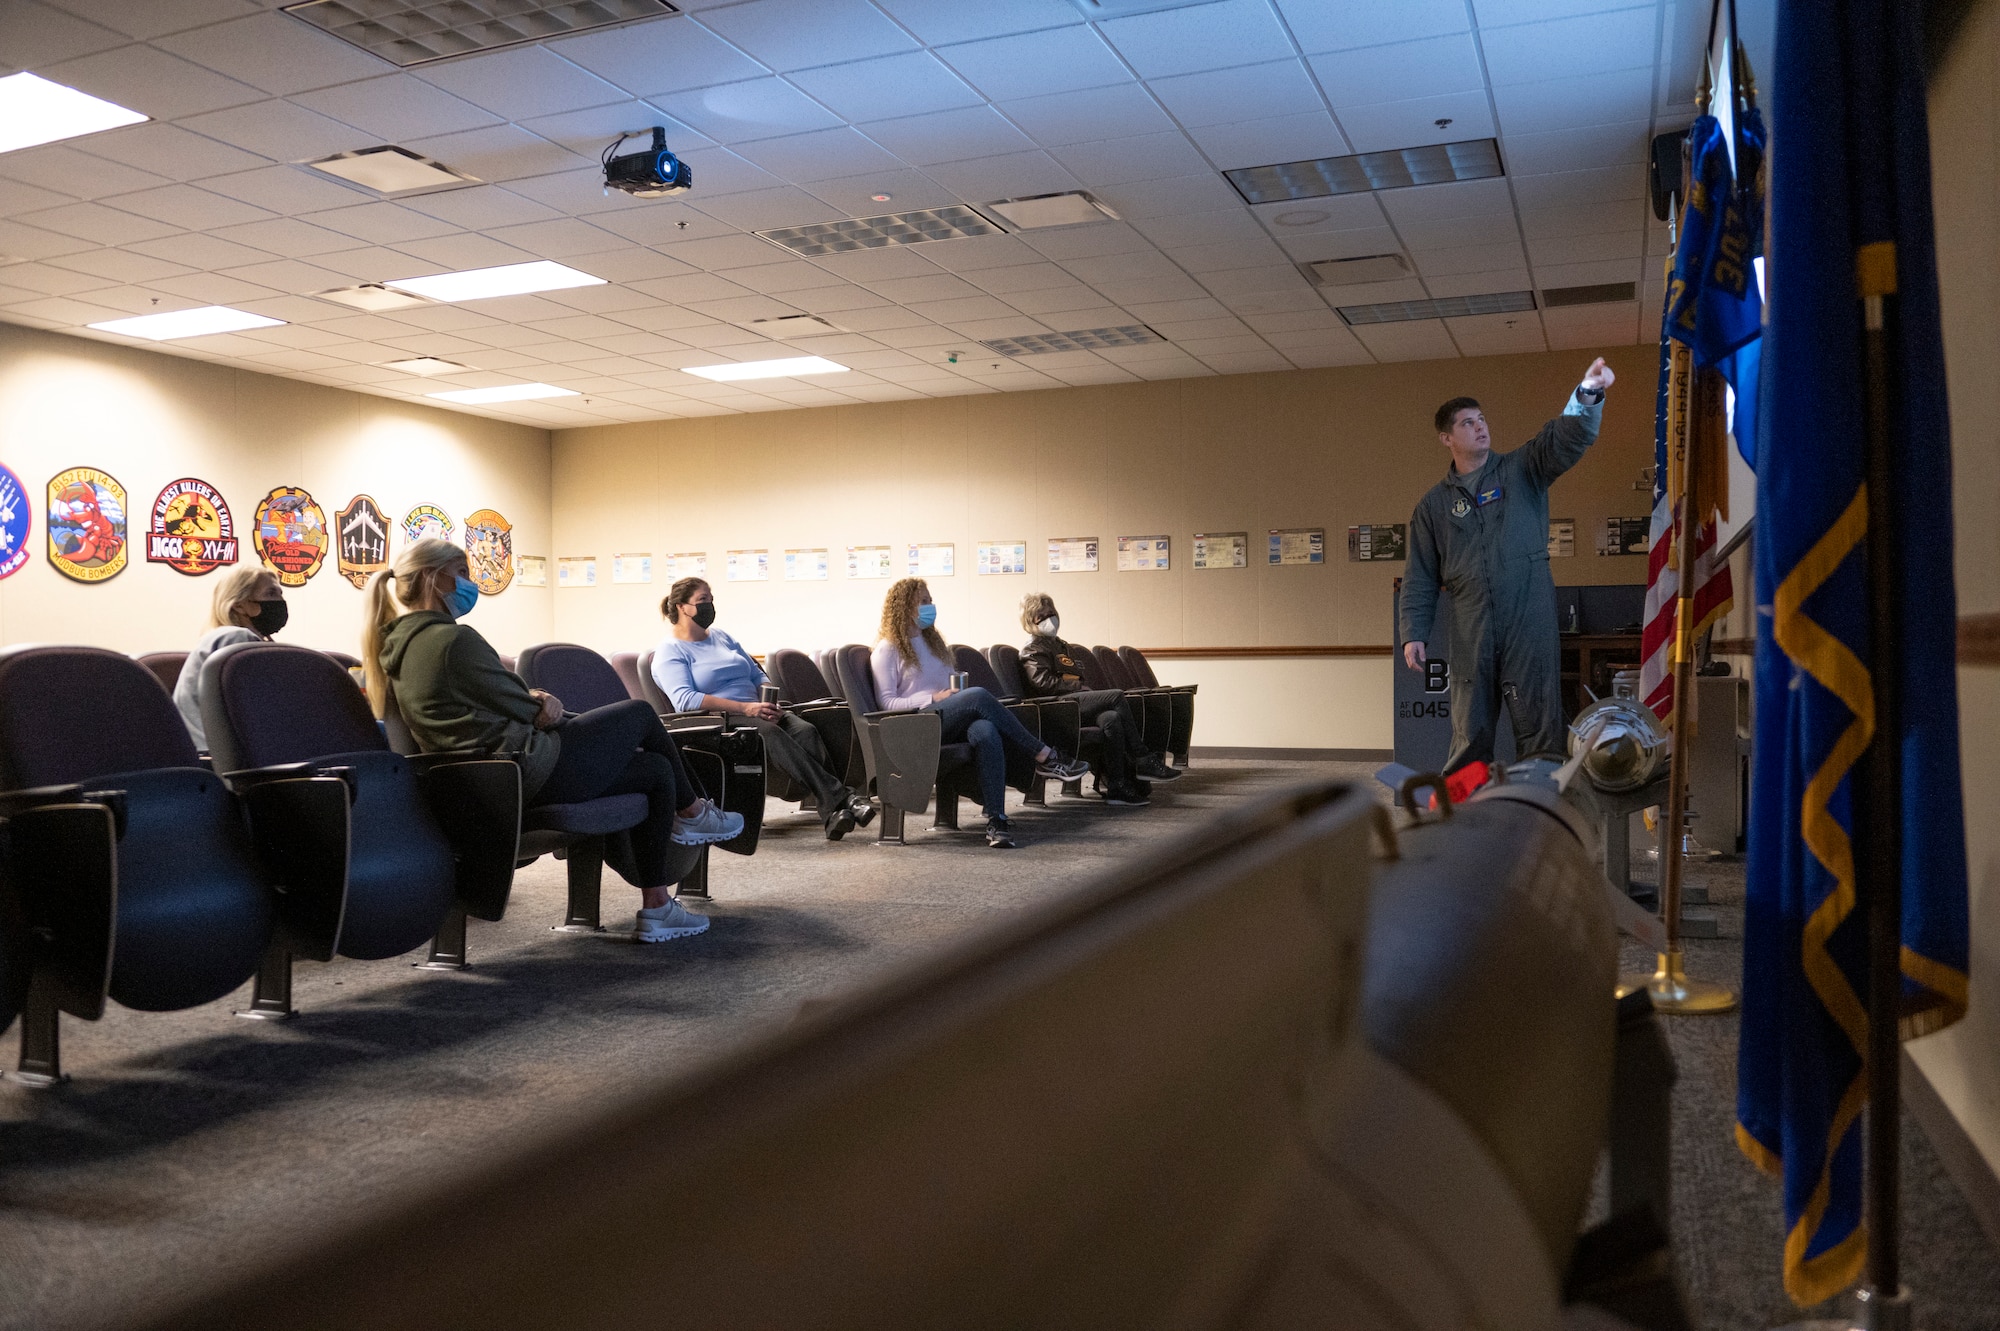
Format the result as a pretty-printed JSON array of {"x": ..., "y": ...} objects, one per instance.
[{"x": 1849, "y": 210}]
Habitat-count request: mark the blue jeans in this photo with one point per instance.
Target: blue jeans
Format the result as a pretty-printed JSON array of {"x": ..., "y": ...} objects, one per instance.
[{"x": 974, "y": 716}]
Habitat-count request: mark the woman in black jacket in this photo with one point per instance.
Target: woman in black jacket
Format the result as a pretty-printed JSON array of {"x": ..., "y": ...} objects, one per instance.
[{"x": 1054, "y": 669}]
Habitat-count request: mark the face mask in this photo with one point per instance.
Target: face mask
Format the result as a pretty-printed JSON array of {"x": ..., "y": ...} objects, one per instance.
[
  {"x": 464, "y": 595},
  {"x": 1047, "y": 627},
  {"x": 270, "y": 617},
  {"x": 926, "y": 616},
  {"x": 704, "y": 615}
]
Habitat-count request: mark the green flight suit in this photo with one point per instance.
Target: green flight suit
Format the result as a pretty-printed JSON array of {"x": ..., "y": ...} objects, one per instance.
[{"x": 1484, "y": 539}]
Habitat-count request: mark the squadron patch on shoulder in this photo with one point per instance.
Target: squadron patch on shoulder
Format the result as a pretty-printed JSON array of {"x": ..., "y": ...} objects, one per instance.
[
  {"x": 489, "y": 548},
  {"x": 17, "y": 515},
  {"x": 427, "y": 520},
  {"x": 1459, "y": 508},
  {"x": 291, "y": 535},
  {"x": 191, "y": 531},
  {"x": 364, "y": 540},
  {"x": 87, "y": 524}
]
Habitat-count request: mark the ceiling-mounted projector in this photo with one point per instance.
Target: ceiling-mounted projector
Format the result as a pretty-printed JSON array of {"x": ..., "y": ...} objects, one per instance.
[{"x": 652, "y": 174}]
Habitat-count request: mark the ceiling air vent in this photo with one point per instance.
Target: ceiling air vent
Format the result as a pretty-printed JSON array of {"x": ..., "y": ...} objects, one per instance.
[
  {"x": 1604, "y": 293},
  {"x": 874, "y": 233},
  {"x": 416, "y": 32},
  {"x": 1071, "y": 208},
  {"x": 1393, "y": 168},
  {"x": 1448, "y": 307},
  {"x": 1081, "y": 339},
  {"x": 794, "y": 325},
  {"x": 1368, "y": 268},
  {"x": 372, "y": 297},
  {"x": 392, "y": 171}
]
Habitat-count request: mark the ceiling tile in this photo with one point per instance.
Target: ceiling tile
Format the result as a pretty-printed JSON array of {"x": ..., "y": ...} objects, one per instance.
[
  {"x": 381, "y": 223},
  {"x": 1585, "y": 219},
  {"x": 479, "y": 207},
  {"x": 1591, "y": 99},
  {"x": 18, "y": 196},
  {"x": 1230, "y": 254},
  {"x": 784, "y": 276},
  {"x": 499, "y": 153},
  {"x": 1595, "y": 44},
  {"x": 1278, "y": 139},
  {"x": 725, "y": 252},
  {"x": 205, "y": 252},
  {"x": 1468, "y": 259},
  {"x": 1568, "y": 149},
  {"x": 1427, "y": 68},
  {"x": 854, "y": 196},
  {"x": 819, "y": 155},
  {"x": 759, "y": 210},
  {"x": 1497, "y": 334},
  {"x": 1319, "y": 26},
  {"x": 1015, "y": 175},
  {"x": 288, "y": 275},
  {"x": 287, "y": 235},
  {"x": 1248, "y": 92},
  {"x": 375, "y": 263},
  {"x": 1493, "y": 228},
  {"x": 793, "y": 34},
  {"x": 1478, "y": 284},
  {"x": 937, "y": 22},
  {"x": 92, "y": 222},
  {"x": 1563, "y": 189},
  {"x": 666, "y": 55},
  {"x": 1357, "y": 243},
  {"x": 1032, "y": 64},
  {"x": 1118, "y": 111},
  {"x": 286, "y": 189},
  {"x": 899, "y": 85},
  {"x": 1205, "y": 36},
  {"x": 151, "y": 82},
  {"x": 1216, "y": 228},
  {"x": 278, "y": 130},
  {"x": 948, "y": 136},
  {"x": 1342, "y": 212},
  {"x": 758, "y": 109},
  {"x": 395, "y": 107},
  {"x": 559, "y": 238},
  {"x": 1630, "y": 244},
  {"x": 588, "y": 132},
  {"x": 1055, "y": 301},
  {"x": 67, "y": 171},
  {"x": 52, "y": 279},
  {"x": 1418, "y": 339},
  {"x": 1115, "y": 161},
  {"x": 156, "y": 17},
  {"x": 1171, "y": 198},
  {"x": 187, "y": 208},
  {"x": 906, "y": 291},
  {"x": 34, "y": 36},
  {"x": 522, "y": 81},
  {"x": 656, "y": 223},
  {"x": 1390, "y": 125},
  {"x": 169, "y": 150},
  {"x": 1020, "y": 277},
  {"x": 1502, "y": 13},
  {"x": 275, "y": 53}
]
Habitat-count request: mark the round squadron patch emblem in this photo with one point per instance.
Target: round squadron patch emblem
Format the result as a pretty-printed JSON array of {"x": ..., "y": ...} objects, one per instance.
[
  {"x": 1459, "y": 508},
  {"x": 87, "y": 525},
  {"x": 16, "y": 516},
  {"x": 489, "y": 548},
  {"x": 191, "y": 531},
  {"x": 364, "y": 540},
  {"x": 291, "y": 535},
  {"x": 427, "y": 520}
]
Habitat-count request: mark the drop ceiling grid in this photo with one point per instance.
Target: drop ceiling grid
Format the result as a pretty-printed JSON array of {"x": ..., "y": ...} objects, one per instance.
[{"x": 222, "y": 222}]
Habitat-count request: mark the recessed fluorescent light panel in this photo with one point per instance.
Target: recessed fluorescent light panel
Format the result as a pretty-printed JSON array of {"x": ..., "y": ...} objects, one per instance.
[
  {"x": 768, "y": 369},
  {"x": 416, "y": 32},
  {"x": 1449, "y": 307},
  {"x": 1433, "y": 164},
  {"x": 424, "y": 365},
  {"x": 391, "y": 170},
  {"x": 1082, "y": 339},
  {"x": 373, "y": 297},
  {"x": 1072, "y": 208},
  {"x": 197, "y": 322},
  {"x": 1603, "y": 293},
  {"x": 33, "y": 110},
  {"x": 874, "y": 233},
  {"x": 514, "y": 279},
  {"x": 473, "y": 397}
]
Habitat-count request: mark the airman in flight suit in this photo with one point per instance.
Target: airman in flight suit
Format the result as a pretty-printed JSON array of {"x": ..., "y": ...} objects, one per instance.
[{"x": 1482, "y": 534}]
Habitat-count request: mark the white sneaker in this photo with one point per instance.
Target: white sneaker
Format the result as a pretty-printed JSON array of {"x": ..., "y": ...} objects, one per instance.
[
  {"x": 708, "y": 824},
  {"x": 672, "y": 920}
]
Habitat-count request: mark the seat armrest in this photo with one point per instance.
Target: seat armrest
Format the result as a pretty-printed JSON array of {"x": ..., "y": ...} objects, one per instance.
[
  {"x": 249, "y": 778},
  {"x": 907, "y": 747},
  {"x": 814, "y": 702},
  {"x": 883, "y": 716}
]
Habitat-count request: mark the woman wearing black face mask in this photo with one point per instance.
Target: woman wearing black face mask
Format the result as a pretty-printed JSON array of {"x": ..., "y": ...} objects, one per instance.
[
  {"x": 249, "y": 606},
  {"x": 703, "y": 669}
]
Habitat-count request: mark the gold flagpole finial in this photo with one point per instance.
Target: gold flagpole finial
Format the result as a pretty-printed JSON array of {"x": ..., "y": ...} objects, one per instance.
[
  {"x": 1746, "y": 79},
  {"x": 1703, "y": 91}
]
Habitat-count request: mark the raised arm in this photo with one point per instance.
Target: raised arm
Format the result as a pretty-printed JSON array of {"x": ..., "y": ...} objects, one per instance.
[{"x": 1564, "y": 440}]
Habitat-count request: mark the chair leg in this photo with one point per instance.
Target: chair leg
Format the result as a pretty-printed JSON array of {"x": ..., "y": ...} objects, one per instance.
[
  {"x": 1038, "y": 792},
  {"x": 892, "y": 826},
  {"x": 41, "y": 1040},
  {"x": 1073, "y": 789},
  {"x": 271, "y": 995},
  {"x": 947, "y": 812},
  {"x": 695, "y": 885},
  {"x": 448, "y": 948},
  {"x": 586, "y": 871}
]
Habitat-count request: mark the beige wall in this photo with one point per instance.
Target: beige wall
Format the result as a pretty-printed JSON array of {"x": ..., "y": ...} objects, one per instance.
[
  {"x": 1963, "y": 1062},
  {"x": 1325, "y": 448},
  {"x": 149, "y": 419}
]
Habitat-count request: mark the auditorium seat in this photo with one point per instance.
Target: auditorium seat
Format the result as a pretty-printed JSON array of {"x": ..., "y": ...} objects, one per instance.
[
  {"x": 1049, "y": 720},
  {"x": 427, "y": 842},
  {"x": 1141, "y": 670},
  {"x": 343, "y": 660},
  {"x": 1154, "y": 707},
  {"x": 180, "y": 913},
  {"x": 166, "y": 666},
  {"x": 803, "y": 691},
  {"x": 1064, "y": 727},
  {"x": 829, "y": 669},
  {"x": 627, "y": 666}
]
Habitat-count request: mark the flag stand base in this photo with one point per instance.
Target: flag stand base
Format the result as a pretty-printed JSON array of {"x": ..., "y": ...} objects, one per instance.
[
  {"x": 1873, "y": 1312},
  {"x": 1673, "y": 991}
]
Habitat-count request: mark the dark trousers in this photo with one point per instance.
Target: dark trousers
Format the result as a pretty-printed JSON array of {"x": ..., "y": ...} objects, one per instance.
[
  {"x": 974, "y": 716},
  {"x": 1124, "y": 744},
  {"x": 794, "y": 745},
  {"x": 623, "y": 749}
]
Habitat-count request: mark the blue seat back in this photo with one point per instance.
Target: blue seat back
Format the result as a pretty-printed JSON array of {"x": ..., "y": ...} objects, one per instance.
[
  {"x": 265, "y": 703},
  {"x": 582, "y": 678},
  {"x": 68, "y": 714}
]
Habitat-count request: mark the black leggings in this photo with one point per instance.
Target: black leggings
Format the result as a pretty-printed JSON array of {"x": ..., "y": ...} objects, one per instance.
[{"x": 622, "y": 749}]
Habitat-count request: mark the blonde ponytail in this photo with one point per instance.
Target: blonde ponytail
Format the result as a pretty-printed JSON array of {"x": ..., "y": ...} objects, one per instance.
[{"x": 390, "y": 594}]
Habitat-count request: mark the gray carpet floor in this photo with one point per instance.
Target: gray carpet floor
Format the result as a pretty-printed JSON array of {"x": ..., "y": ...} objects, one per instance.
[{"x": 189, "y": 1143}]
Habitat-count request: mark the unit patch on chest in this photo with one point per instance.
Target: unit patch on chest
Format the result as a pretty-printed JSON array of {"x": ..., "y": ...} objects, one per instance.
[{"x": 1459, "y": 508}]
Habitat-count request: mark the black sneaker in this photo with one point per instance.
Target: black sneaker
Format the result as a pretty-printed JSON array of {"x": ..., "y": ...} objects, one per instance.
[
  {"x": 1153, "y": 769},
  {"x": 999, "y": 835},
  {"x": 1063, "y": 769},
  {"x": 839, "y": 823},
  {"x": 863, "y": 810},
  {"x": 1126, "y": 797}
]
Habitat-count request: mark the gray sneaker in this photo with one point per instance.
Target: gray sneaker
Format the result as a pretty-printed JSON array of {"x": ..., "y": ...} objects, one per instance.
[
  {"x": 661, "y": 923},
  {"x": 709, "y": 824}
]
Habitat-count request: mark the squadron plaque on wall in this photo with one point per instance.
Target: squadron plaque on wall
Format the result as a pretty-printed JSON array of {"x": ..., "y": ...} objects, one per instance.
[
  {"x": 290, "y": 535},
  {"x": 17, "y": 515},
  {"x": 364, "y": 540},
  {"x": 191, "y": 531},
  {"x": 489, "y": 549},
  {"x": 427, "y": 520},
  {"x": 87, "y": 524}
]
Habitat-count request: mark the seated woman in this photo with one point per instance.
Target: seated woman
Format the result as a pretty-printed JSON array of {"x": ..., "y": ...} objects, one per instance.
[
  {"x": 248, "y": 606},
  {"x": 910, "y": 675},
  {"x": 1050, "y": 668},
  {"x": 701, "y": 668},
  {"x": 456, "y": 696}
]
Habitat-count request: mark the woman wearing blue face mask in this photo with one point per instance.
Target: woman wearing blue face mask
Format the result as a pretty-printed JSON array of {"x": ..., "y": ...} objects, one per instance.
[
  {"x": 911, "y": 675},
  {"x": 457, "y": 697}
]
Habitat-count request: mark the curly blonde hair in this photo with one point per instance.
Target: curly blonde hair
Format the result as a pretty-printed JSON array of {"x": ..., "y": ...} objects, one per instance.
[
  {"x": 899, "y": 621},
  {"x": 1036, "y": 607}
]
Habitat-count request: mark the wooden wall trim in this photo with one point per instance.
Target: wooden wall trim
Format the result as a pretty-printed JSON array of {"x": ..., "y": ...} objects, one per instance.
[
  {"x": 1256, "y": 653},
  {"x": 1978, "y": 642}
]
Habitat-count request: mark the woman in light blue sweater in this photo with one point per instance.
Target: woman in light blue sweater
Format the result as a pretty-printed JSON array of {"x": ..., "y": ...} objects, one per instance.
[{"x": 703, "y": 669}]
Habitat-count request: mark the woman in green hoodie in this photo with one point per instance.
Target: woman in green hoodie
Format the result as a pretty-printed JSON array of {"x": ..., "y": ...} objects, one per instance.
[{"x": 456, "y": 697}]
